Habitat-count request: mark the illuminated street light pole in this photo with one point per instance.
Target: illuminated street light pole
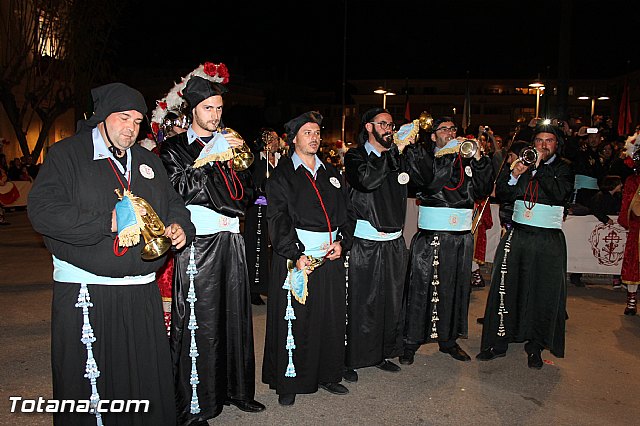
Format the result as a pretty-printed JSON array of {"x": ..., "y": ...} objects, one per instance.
[
  {"x": 593, "y": 102},
  {"x": 539, "y": 86},
  {"x": 384, "y": 92}
]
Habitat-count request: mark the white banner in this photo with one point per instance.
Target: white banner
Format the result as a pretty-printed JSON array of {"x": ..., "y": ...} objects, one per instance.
[{"x": 592, "y": 247}]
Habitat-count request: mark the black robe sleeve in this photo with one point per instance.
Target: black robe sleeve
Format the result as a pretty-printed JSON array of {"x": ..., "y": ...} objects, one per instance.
[
  {"x": 212, "y": 186},
  {"x": 281, "y": 228},
  {"x": 54, "y": 213},
  {"x": 555, "y": 184},
  {"x": 366, "y": 174}
]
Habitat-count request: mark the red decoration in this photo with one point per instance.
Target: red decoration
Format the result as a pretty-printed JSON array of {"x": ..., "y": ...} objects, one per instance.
[
  {"x": 155, "y": 127},
  {"x": 628, "y": 162},
  {"x": 338, "y": 144},
  {"x": 210, "y": 69},
  {"x": 224, "y": 73},
  {"x": 162, "y": 105}
]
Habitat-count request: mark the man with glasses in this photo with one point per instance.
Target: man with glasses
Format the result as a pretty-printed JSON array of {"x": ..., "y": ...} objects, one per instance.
[
  {"x": 311, "y": 228},
  {"x": 439, "y": 280},
  {"x": 528, "y": 293},
  {"x": 378, "y": 257}
]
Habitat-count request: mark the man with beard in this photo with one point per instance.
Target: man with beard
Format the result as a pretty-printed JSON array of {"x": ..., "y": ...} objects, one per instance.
[
  {"x": 107, "y": 335},
  {"x": 528, "y": 293},
  {"x": 211, "y": 340},
  {"x": 308, "y": 214},
  {"x": 439, "y": 277},
  {"x": 378, "y": 257}
]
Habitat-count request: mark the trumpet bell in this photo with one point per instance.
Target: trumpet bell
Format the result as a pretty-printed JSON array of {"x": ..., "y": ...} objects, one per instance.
[
  {"x": 155, "y": 246},
  {"x": 242, "y": 156},
  {"x": 242, "y": 159},
  {"x": 468, "y": 148},
  {"x": 529, "y": 156}
]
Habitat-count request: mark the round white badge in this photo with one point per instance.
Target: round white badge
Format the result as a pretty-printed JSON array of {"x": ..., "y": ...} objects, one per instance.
[
  {"x": 403, "y": 178},
  {"x": 334, "y": 181},
  {"x": 468, "y": 171},
  {"x": 146, "y": 171}
]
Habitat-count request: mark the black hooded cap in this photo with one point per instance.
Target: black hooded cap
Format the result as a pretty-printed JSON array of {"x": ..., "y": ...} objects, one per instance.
[
  {"x": 198, "y": 89},
  {"x": 366, "y": 118},
  {"x": 110, "y": 98},
  {"x": 548, "y": 128},
  {"x": 292, "y": 126}
]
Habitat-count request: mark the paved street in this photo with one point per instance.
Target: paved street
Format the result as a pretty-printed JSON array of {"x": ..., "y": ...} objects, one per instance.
[{"x": 597, "y": 383}]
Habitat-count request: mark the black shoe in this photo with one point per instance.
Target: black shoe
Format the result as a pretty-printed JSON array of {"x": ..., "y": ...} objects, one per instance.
[
  {"x": 287, "y": 399},
  {"x": 576, "y": 279},
  {"x": 489, "y": 354},
  {"x": 350, "y": 375},
  {"x": 388, "y": 366},
  {"x": 407, "y": 357},
  {"x": 335, "y": 388},
  {"x": 257, "y": 300},
  {"x": 456, "y": 352},
  {"x": 250, "y": 405},
  {"x": 534, "y": 360}
]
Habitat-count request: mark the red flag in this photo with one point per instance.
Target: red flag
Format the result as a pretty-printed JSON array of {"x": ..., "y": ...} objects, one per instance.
[
  {"x": 407, "y": 111},
  {"x": 624, "y": 116}
]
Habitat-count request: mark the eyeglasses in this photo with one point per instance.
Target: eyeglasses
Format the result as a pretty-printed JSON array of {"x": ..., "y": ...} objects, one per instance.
[
  {"x": 384, "y": 125},
  {"x": 451, "y": 129}
]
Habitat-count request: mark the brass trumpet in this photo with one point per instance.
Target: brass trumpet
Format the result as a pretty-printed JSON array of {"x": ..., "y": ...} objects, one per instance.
[
  {"x": 242, "y": 156},
  {"x": 155, "y": 243},
  {"x": 528, "y": 157},
  {"x": 468, "y": 148}
]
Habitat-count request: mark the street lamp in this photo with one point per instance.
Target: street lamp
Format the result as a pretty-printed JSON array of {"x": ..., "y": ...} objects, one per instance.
[
  {"x": 539, "y": 86},
  {"x": 593, "y": 102},
  {"x": 384, "y": 92}
]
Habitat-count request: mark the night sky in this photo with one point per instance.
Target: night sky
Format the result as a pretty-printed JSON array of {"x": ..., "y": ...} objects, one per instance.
[{"x": 302, "y": 41}]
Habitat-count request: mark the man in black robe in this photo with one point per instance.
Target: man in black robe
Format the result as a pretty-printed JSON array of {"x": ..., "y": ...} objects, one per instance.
[
  {"x": 308, "y": 214},
  {"x": 378, "y": 257},
  {"x": 256, "y": 234},
  {"x": 528, "y": 294},
  {"x": 211, "y": 339},
  {"x": 108, "y": 339},
  {"x": 439, "y": 276}
]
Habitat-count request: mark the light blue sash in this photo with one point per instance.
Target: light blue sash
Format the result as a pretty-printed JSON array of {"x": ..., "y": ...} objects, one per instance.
[
  {"x": 209, "y": 222},
  {"x": 444, "y": 219},
  {"x": 366, "y": 231},
  {"x": 65, "y": 272},
  {"x": 585, "y": 182},
  {"x": 315, "y": 243},
  {"x": 541, "y": 215}
]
